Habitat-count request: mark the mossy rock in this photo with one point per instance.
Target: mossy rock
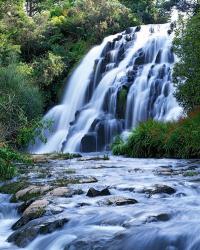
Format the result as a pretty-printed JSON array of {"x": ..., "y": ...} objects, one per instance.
[
  {"x": 13, "y": 187},
  {"x": 25, "y": 197},
  {"x": 121, "y": 102}
]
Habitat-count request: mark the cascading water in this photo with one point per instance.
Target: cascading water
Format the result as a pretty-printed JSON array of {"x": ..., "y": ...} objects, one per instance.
[{"x": 125, "y": 80}]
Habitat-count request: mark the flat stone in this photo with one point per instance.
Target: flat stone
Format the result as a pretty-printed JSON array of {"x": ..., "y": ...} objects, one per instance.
[
  {"x": 119, "y": 201},
  {"x": 64, "y": 192}
]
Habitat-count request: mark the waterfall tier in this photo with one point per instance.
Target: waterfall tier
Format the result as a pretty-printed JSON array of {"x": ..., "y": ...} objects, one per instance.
[{"x": 122, "y": 82}]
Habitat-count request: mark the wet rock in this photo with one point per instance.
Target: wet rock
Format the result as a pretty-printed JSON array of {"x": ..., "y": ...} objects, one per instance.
[
  {"x": 92, "y": 192},
  {"x": 83, "y": 204},
  {"x": 164, "y": 171},
  {"x": 128, "y": 38},
  {"x": 30, "y": 192},
  {"x": 129, "y": 30},
  {"x": 88, "y": 142},
  {"x": 52, "y": 209},
  {"x": 140, "y": 60},
  {"x": 119, "y": 201},
  {"x": 34, "y": 211},
  {"x": 24, "y": 205},
  {"x": 47, "y": 157},
  {"x": 160, "y": 217},
  {"x": 13, "y": 187},
  {"x": 138, "y": 28},
  {"x": 158, "y": 189},
  {"x": 74, "y": 180},
  {"x": 23, "y": 236},
  {"x": 64, "y": 192}
]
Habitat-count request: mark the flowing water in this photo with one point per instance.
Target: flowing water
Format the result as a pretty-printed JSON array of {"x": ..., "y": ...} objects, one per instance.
[
  {"x": 157, "y": 222},
  {"x": 123, "y": 81}
]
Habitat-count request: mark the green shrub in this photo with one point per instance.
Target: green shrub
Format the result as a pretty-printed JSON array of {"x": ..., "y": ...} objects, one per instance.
[
  {"x": 8, "y": 157},
  {"x": 19, "y": 101},
  {"x": 157, "y": 139}
]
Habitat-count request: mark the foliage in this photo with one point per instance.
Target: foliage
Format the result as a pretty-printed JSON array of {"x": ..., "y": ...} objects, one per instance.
[
  {"x": 148, "y": 11},
  {"x": 187, "y": 70},
  {"x": 32, "y": 131},
  {"x": 19, "y": 100},
  {"x": 7, "y": 159},
  {"x": 157, "y": 139}
]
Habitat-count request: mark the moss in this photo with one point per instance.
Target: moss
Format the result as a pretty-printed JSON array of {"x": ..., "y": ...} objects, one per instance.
[
  {"x": 13, "y": 187},
  {"x": 28, "y": 196},
  {"x": 69, "y": 171},
  {"x": 121, "y": 102},
  {"x": 190, "y": 173}
]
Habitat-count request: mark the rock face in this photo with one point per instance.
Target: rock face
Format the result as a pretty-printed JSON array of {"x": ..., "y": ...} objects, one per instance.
[
  {"x": 92, "y": 192},
  {"x": 119, "y": 201},
  {"x": 23, "y": 236}
]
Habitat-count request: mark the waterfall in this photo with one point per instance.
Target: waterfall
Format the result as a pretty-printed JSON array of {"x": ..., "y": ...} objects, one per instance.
[{"x": 122, "y": 82}]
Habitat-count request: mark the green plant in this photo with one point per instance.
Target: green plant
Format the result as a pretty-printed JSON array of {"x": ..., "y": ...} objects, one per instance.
[
  {"x": 8, "y": 157},
  {"x": 157, "y": 139}
]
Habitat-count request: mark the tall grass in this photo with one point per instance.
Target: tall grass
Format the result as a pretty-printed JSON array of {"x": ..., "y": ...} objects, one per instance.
[{"x": 157, "y": 139}]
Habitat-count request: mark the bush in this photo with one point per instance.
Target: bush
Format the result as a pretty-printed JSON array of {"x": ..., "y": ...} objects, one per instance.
[
  {"x": 8, "y": 157},
  {"x": 19, "y": 100},
  {"x": 157, "y": 139}
]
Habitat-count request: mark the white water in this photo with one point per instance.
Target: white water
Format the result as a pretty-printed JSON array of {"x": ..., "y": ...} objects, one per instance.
[
  {"x": 140, "y": 60},
  {"x": 128, "y": 227}
]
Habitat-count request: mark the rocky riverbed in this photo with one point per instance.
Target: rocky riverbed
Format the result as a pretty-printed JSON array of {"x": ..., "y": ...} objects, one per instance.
[{"x": 100, "y": 203}]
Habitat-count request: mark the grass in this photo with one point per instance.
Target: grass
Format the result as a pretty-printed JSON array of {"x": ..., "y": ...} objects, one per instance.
[{"x": 157, "y": 139}]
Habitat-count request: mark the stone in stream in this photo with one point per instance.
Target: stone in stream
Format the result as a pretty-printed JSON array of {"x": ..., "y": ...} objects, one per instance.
[
  {"x": 92, "y": 192},
  {"x": 118, "y": 201},
  {"x": 158, "y": 189},
  {"x": 23, "y": 236},
  {"x": 159, "y": 217},
  {"x": 64, "y": 192},
  {"x": 30, "y": 192},
  {"x": 35, "y": 210}
]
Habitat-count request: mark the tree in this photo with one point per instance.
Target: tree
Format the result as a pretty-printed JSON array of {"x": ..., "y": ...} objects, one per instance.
[{"x": 187, "y": 70}]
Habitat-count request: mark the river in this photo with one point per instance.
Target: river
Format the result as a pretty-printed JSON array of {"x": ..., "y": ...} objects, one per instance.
[{"x": 165, "y": 217}]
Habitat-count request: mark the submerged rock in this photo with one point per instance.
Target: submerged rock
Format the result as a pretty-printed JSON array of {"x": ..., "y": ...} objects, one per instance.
[
  {"x": 23, "y": 236},
  {"x": 92, "y": 192},
  {"x": 159, "y": 217}
]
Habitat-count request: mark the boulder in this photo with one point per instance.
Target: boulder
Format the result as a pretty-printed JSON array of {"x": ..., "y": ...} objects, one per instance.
[
  {"x": 24, "y": 235},
  {"x": 34, "y": 211},
  {"x": 30, "y": 192},
  {"x": 159, "y": 188},
  {"x": 92, "y": 192},
  {"x": 88, "y": 142}
]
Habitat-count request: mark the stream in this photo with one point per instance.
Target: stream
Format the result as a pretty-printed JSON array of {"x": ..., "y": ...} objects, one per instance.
[{"x": 162, "y": 219}]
